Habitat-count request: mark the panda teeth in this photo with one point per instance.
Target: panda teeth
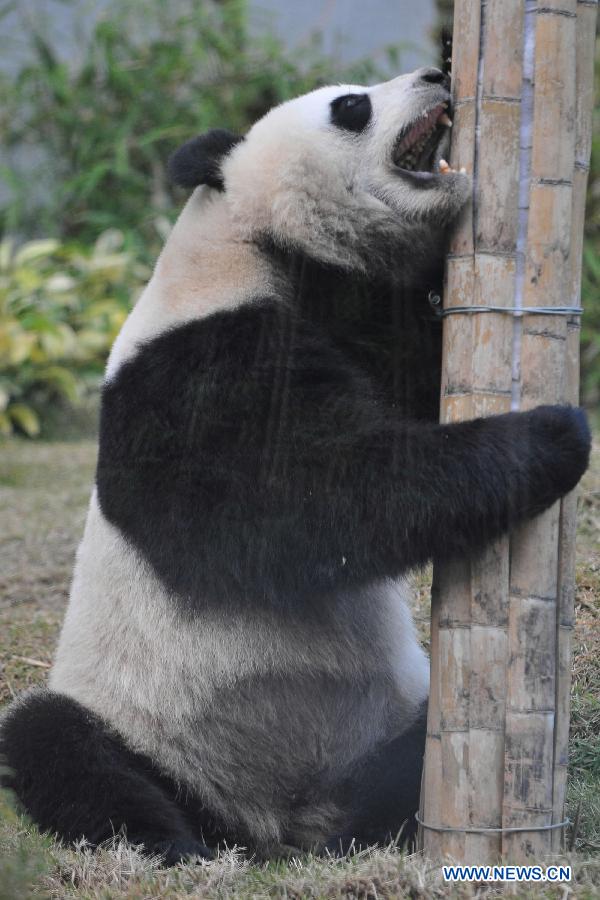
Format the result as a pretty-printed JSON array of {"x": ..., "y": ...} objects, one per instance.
[{"x": 409, "y": 160}]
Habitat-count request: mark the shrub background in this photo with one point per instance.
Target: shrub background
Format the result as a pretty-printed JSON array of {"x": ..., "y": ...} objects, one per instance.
[{"x": 94, "y": 194}]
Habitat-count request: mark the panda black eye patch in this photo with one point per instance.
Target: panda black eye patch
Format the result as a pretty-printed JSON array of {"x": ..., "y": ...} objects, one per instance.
[{"x": 351, "y": 112}]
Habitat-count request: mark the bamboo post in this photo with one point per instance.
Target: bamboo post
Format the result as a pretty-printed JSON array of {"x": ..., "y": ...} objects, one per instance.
[{"x": 496, "y": 748}]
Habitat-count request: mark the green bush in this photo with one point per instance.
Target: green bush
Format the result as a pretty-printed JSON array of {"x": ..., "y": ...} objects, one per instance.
[
  {"x": 590, "y": 285},
  {"x": 61, "y": 306},
  {"x": 590, "y": 329},
  {"x": 156, "y": 72}
]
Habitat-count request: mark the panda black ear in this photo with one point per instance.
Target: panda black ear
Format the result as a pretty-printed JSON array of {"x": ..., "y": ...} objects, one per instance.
[{"x": 199, "y": 160}]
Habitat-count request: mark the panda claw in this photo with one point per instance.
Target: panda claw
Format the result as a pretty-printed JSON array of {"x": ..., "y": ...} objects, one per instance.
[{"x": 446, "y": 169}]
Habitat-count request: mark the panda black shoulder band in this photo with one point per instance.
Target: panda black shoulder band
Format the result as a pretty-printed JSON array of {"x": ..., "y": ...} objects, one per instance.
[{"x": 474, "y": 829}]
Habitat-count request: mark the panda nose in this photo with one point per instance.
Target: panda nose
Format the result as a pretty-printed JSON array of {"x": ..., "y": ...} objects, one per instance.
[{"x": 431, "y": 76}]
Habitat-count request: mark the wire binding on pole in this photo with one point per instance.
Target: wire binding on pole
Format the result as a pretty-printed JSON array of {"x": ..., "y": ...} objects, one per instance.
[
  {"x": 483, "y": 830},
  {"x": 517, "y": 312}
]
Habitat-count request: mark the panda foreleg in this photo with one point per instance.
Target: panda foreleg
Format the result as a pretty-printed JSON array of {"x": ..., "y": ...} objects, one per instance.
[{"x": 74, "y": 776}]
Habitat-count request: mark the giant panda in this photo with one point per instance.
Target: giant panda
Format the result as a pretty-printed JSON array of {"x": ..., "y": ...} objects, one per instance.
[{"x": 238, "y": 663}]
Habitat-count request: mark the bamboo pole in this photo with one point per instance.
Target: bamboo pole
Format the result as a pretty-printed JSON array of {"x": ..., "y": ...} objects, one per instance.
[{"x": 501, "y": 625}]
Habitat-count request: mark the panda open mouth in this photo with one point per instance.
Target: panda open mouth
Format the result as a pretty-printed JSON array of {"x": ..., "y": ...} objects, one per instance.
[{"x": 415, "y": 151}]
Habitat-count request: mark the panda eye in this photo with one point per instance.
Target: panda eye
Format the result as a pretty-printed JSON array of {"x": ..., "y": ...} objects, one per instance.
[{"x": 351, "y": 112}]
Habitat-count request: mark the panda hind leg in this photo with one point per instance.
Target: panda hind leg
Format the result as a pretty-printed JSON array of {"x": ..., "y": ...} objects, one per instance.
[
  {"x": 381, "y": 795},
  {"x": 74, "y": 776}
]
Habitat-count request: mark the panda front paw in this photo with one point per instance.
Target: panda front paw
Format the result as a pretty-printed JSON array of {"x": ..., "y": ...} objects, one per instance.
[
  {"x": 557, "y": 441},
  {"x": 454, "y": 190}
]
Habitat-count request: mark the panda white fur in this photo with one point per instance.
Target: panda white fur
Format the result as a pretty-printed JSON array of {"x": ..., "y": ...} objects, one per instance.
[{"x": 237, "y": 660}]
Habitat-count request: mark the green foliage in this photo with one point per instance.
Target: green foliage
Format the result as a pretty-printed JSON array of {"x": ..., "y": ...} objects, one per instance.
[
  {"x": 590, "y": 329},
  {"x": 61, "y": 307},
  {"x": 590, "y": 285},
  {"x": 156, "y": 72}
]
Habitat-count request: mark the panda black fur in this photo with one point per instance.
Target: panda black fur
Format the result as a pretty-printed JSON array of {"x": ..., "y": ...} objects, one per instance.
[{"x": 237, "y": 661}]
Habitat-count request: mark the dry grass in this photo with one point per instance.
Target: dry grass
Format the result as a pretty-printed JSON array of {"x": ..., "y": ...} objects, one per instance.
[
  {"x": 44, "y": 490},
  {"x": 43, "y": 494},
  {"x": 119, "y": 872},
  {"x": 584, "y": 787}
]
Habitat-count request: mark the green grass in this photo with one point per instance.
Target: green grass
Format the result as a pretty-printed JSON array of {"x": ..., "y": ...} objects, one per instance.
[
  {"x": 26, "y": 855},
  {"x": 43, "y": 494}
]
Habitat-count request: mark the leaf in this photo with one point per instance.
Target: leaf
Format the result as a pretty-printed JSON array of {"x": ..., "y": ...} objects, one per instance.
[
  {"x": 25, "y": 418},
  {"x": 15, "y": 345},
  {"x": 62, "y": 380},
  {"x": 109, "y": 241},
  {"x": 104, "y": 307},
  {"x": 177, "y": 132},
  {"x": 89, "y": 180},
  {"x": 60, "y": 283},
  {"x": 6, "y": 249},
  {"x": 111, "y": 265},
  {"x": 35, "y": 250},
  {"x": 6, "y": 428},
  {"x": 35, "y": 321},
  {"x": 52, "y": 343},
  {"x": 92, "y": 342},
  {"x": 28, "y": 279}
]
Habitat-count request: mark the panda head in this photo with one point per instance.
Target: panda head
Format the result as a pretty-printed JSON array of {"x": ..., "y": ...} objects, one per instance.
[{"x": 339, "y": 172}]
